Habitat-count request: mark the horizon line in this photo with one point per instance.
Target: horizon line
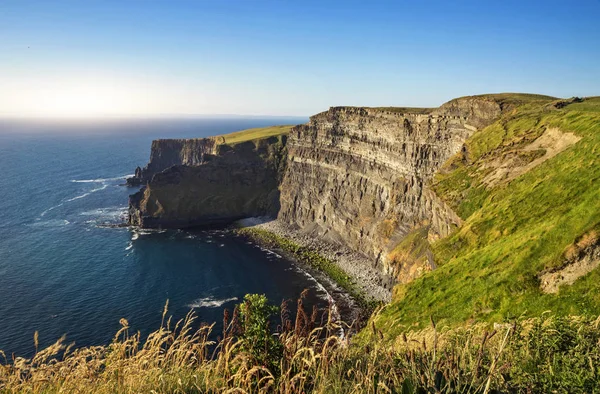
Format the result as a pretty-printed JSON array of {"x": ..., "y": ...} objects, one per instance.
[{"x": 9, "y": 116}]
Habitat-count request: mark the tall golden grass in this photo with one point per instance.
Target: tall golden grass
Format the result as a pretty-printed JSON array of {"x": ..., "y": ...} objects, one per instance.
[{"x": 546, "y": 354}]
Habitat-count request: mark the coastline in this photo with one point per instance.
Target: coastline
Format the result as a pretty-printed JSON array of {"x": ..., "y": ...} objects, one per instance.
[{"x": 340, "y": 271}]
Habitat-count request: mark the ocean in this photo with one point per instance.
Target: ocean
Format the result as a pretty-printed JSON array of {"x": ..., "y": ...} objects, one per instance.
[{"x": 64, "y": 271}]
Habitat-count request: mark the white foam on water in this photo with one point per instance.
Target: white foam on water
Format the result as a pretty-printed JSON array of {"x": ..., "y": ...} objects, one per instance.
[
  {"x": 49, "y": 209},
  {"x": 50, "y": 223},
  {"x": 88, "y": 193},
  {"x": 129, "y": 245},
  {"x": 268, "y": 251},
  {"x": 102, "y": 180},
  {"x": 106, "y": 213},
  {"x": 136, "y": 233},
  {"x": 210, "y": 302}
]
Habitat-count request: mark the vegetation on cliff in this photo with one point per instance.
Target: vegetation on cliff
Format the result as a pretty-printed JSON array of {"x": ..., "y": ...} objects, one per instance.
[
  {"x": 301, "y": 356},
  {"x": 253, "y": 134},
  {"x": 527, "y": 188}
]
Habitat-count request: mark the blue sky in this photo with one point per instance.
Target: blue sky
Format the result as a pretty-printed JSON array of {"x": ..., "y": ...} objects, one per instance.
[{"x": 287, "y": 57}]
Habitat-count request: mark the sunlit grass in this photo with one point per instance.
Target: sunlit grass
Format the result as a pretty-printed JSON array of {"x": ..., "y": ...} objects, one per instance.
[
  {"x": 544, "y": 354},
  {"x": 488, "y": 269},
  {"x": 253, "y": 134}
]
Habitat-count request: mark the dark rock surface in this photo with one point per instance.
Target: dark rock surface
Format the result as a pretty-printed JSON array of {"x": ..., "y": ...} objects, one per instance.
[
  {"x": 236, "y": 182},
  {"x": 171, "y": 152}
]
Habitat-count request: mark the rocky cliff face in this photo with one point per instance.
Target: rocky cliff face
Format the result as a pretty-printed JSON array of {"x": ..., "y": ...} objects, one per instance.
[
  {"x": 202, "y": 182},
  {"x": 359, "y": 176},
  {"x": 171, "y": 152}
]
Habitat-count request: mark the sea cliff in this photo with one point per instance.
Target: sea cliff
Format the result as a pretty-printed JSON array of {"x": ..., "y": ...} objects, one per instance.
[
  {"x": 353, "y": 177},
  {"x": 165, "y": 153},
  {"x": 207, "y": 181},
  {"x": 360, "y": 176}
]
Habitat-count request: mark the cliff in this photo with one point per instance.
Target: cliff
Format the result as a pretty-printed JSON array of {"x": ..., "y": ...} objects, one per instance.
[
  {"x": 208, "y": 181},
  {"x": 484, "y": 208},
  {"x": 357, "y": 177},
  {"x": 527, "y": 191},
  {"x": 166, "y": 153},
  {"x": 360, "y": 176}
]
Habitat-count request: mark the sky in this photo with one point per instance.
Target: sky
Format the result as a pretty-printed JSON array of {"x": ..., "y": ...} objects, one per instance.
[{"x": 164, "y": 58}]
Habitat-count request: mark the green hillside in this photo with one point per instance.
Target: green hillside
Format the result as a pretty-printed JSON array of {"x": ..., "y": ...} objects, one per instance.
[{"x": 528, "y": 190}]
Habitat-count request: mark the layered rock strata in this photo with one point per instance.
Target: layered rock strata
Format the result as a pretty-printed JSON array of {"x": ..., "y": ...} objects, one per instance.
[{"x": 359, "y": 176}]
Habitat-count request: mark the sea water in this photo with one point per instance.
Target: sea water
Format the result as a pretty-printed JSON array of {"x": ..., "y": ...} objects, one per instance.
[{"x": 64, "y": 269}]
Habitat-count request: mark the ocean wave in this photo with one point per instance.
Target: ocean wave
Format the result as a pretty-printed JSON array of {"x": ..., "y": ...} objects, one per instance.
[
  {"x": 88, "y": 193},
  {"x": 50, "y": 223},
  {"x": 211, "y": 302},
  {"x": 49, "y": 209},
  {"x": 102, "y": 180},
  {"x": 269, "y": 251},
  {"x": 108, "y": 212},
  {"x": 136, "y": 233}
]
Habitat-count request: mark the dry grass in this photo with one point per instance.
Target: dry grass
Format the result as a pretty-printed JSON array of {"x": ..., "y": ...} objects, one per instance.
[{"x": 537, "y": 355}]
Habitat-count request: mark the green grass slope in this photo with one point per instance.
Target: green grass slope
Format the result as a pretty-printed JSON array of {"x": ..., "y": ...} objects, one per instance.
[
  {"x": 254, "y": 134},
  {"x": 488, "y": 269}
]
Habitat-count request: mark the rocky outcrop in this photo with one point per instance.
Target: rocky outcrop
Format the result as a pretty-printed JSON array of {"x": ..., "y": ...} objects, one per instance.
[
  {"x": 166, "y": 153},
  {"x": 359, "y": 176},
  {"x": 206, "y": 183},
  {"x": 580, "y": 259}
]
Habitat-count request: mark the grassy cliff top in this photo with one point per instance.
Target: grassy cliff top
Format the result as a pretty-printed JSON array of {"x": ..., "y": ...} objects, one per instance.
[
  {"x": 516, "y": 98},
  {"x": 528, "y": 190},
  {"x": 253, "y": 134}
]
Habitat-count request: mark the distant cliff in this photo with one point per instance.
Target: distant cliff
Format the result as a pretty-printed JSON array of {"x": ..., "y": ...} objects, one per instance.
[
  {"x": 171, "y": 152},
  {"x": 207, "y": 181}
]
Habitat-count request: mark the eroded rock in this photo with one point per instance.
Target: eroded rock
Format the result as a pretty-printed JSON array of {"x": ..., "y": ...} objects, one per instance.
[
  {"x": 582, "y": 258},
  {"x": 517, "y": 162}
]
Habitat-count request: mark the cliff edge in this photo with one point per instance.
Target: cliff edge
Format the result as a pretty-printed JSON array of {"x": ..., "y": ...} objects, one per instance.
[{"x": 208, "y": 181}]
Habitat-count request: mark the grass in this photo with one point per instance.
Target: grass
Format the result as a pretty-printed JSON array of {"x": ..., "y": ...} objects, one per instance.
[
  {"x": 488, "y": 269},
  {"x": 542, "y": 355},
  {"x": 514, "y": 98},
  {"x": 253, "y": 134},
  {"x": 590, "y": 104}
]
